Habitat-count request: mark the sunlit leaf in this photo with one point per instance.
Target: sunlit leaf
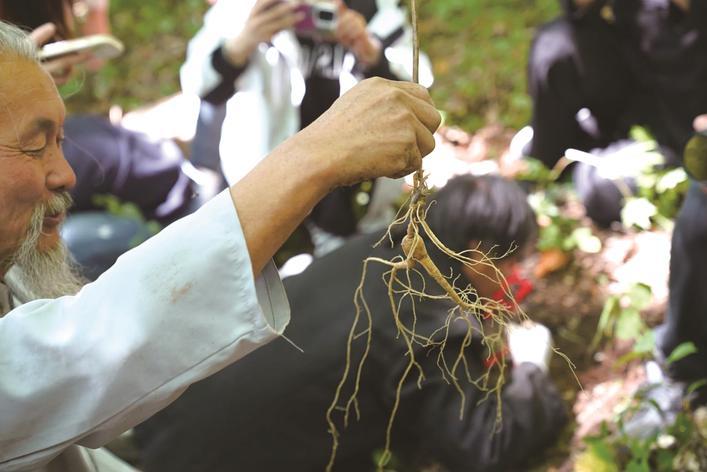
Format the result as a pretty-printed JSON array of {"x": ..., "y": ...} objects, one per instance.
[
  {"x": 629, "y": 325},
  {"x": 683, "y": 350}
]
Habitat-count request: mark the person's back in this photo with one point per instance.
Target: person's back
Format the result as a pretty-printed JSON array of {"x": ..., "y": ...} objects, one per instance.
[{"x": 219, "y": 424}]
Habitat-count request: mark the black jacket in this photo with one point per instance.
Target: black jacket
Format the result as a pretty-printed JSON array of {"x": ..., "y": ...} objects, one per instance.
[
  {"x": 665, "y": 52},
  {"x": 267, "y": 411}
]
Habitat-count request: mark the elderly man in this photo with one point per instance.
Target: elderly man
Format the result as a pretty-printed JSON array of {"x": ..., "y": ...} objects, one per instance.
[{"x": 80, "y": 365}]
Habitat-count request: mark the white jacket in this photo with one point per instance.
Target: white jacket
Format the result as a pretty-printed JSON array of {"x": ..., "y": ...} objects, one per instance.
[
  {"x": 264, "y": 110},
  {"x": 79, "y": 370}
]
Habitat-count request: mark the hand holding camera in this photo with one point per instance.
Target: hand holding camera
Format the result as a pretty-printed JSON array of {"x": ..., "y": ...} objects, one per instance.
[
  {"x": 333, "y": 20},
  {"x": 351, "y": 32},
  {"x": 267, "y": 18}
]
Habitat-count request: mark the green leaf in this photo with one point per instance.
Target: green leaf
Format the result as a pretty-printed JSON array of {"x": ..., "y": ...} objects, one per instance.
[
  {"x": 599, "y": 457},
  {"x": 638, "y": 212},
  {"x": 671, "y": 180},
  {"x": 586, "y": 241},
  {"x": 639, "y": 133},
  {"x": 640, "y": 295},
  {"x": 664, "y": 459},
  {"x": 637, "y": 465},
  {"x": 629, "y": 325},
  {"x": 608, "y": 314},
  {"x": 645, "y": 343},
  {"x": 683, "y": 350},
  {"x": 696, "y": 385}
]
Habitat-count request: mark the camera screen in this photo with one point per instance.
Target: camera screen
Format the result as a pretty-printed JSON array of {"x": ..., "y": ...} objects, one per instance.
[{"x": 326, "y": 15}]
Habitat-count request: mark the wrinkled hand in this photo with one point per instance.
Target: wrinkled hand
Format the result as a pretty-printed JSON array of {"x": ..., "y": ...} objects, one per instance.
[
  {"x": 378, "y": 128},
  {"x": 530, "y": 342},
  {"x": 60, "y": 68},
  {"x": 266, "y": 19},
  {"x": 351, "y": 33}
]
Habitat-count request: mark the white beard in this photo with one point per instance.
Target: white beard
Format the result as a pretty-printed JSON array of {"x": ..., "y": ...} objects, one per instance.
[{"x": 49, "y": 274}]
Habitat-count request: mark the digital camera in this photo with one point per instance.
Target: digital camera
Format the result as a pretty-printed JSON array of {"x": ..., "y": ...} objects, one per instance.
[{"x": 320, "y": 18}]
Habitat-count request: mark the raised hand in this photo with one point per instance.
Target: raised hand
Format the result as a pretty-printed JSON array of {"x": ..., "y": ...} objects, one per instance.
[
  {"x": 351, "y": 33},
  {"x": 378, "y": 128},
  {"x": 60, "y": 68},
  {"x": 267, "y": 18}
]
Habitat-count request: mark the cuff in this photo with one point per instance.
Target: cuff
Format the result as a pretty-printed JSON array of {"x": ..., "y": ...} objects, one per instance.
[
  {"x": 272, "y": 298},
  {"x": 229, "y": 74},
  {"x": 380, "y": 69}
]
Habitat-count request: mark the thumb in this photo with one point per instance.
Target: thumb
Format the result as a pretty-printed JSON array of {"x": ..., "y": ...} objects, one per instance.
[
  {"x": 341, "y": 6},
  {"x": 42, "y": 34}
]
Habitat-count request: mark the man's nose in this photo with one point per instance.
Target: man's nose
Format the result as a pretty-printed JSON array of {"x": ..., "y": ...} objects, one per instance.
[{"x": 60, "y": 175}]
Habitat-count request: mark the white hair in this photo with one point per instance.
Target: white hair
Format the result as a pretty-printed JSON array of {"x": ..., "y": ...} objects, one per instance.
[{"x": 15, "y": 42}]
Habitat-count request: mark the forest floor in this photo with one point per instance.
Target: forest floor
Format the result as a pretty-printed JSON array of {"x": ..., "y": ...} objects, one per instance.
[{"x": 569, "y": 298}]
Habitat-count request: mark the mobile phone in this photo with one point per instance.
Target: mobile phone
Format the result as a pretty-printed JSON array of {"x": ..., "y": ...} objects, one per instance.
[
  {"x": 100, "y": 45},
  {"x": 320, "y": 18}
]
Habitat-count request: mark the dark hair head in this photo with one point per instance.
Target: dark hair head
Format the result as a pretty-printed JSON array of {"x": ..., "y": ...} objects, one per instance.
[
  {"x": 489, "y": 210},
  {"x": 29, "y": 14}
]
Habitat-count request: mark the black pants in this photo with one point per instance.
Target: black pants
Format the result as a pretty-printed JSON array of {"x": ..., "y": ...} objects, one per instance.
[
  {"x": 576, "y": 65},
  {"x": 687, "y": 310}
]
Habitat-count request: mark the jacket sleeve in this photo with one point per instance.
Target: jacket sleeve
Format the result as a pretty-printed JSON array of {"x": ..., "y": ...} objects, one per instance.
[
  {"x": 390, "y": 25},
  {"x": 486, "y": 438},
  {"x": 205, "y": 72},
  {"x": 81, "y": 369}
]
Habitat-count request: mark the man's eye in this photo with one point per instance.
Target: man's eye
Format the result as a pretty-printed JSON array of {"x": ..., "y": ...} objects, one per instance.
[{"x": 37, "y": 152}]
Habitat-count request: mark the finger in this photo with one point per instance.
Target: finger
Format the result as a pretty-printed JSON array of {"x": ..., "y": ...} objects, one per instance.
[
  {"x": 413, "y": 89},
  {"x": 277, "y": 13},
  {"x": 282, "y": 24},
  {"x": 263, "y": 5},
  {"x": 427, "y": 114},
  {"x": 348, "y": 30},
  {"x": 425, "y": 139},
  {"x": 344, "y": 39},
  {"x": 42, "y": 34},
  {"x": 413, "y": 161}
]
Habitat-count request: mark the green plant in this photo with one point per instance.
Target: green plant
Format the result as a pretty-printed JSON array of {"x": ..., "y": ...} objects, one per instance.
[
  {"x": 682, "y": 445},
  {"x": 660, "y": 189},
  {"x": 621, "y": 319},
  {"x": 557, "y": 229}
]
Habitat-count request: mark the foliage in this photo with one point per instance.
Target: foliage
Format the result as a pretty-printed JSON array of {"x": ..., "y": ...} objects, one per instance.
[
  {"x": 680, "y": 446},
  {"x": 479, "y": 49},
  {"x": 660, "y": 190},
  {"x": 155, "y": 35},
  {"x": 621, "y": 319},
  {"x": 557, "y": 229}
]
